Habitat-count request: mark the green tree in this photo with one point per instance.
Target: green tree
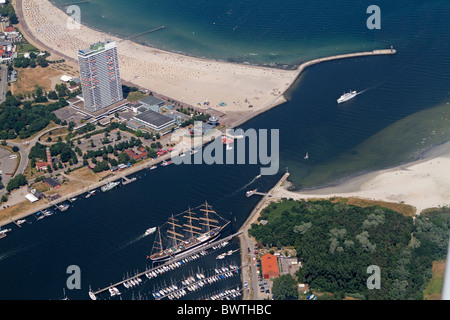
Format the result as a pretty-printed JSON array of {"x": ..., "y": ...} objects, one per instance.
[{"x": 285, "y": 288}]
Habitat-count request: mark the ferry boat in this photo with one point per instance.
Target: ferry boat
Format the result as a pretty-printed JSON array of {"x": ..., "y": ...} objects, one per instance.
[
  {"x": 250, "y": 193},
  {"x": 186, "y": 232},
  {"x": 150, "y": 231},
  {"x": 110, "y": 186},
  {"x": 347, "y": 96}
]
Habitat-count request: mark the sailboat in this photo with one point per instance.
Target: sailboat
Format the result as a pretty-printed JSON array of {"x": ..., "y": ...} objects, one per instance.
[
  {"x": 187, "y": 231},
  {"x": 306, "y": 156}
]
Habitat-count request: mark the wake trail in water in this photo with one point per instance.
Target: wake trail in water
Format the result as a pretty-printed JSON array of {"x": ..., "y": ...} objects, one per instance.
[
  {"x": 372, "y": 87},
  {"x": 134, "y": 240},
  {"x": 15, "y": 251},
  {"x": 242, "y": 188}
]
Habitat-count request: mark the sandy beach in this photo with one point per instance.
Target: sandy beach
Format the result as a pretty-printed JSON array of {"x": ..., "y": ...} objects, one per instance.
[
  {"x": 187, "y": 79},
  {"x": 422, "y": 184}
]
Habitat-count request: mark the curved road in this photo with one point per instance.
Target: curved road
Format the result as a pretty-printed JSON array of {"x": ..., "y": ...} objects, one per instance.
[{"x": 24, "y": 149}]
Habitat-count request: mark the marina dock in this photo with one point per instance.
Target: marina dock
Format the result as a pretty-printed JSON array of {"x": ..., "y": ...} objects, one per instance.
[
  {"x": 163, "y": 267},
  {"x": 126, "y": 180}
]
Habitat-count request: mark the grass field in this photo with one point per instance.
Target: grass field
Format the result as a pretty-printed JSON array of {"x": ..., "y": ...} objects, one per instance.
[
  {"x": 28, "y": 80},
  {"x": 434, "y": 289}
]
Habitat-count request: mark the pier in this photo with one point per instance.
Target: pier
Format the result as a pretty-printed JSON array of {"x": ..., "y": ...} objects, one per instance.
[
  {"x": 164, "y": 266},
  {"x": 126, "y": 180},
  {"x": 142, "y": 33},
  {"x": 307, "y": 64},
  {"x": 71, "y": 3}
]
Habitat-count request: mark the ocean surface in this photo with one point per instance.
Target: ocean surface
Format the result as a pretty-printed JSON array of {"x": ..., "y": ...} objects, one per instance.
[{"x": 402, "y": 111}]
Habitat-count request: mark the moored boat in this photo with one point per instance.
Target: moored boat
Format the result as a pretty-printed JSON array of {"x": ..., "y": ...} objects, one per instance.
[
  {"x": 187, "y": 232},
  {"x": 110, "y": 186}
]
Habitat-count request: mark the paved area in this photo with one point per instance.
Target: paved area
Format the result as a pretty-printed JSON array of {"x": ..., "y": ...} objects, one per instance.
[
  {"x": 3, "y": 82},
  {"x": 7, "y": 165}
]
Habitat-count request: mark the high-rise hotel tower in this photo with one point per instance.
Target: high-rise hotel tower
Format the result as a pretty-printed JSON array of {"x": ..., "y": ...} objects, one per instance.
[{"x": 99, "y": 75}]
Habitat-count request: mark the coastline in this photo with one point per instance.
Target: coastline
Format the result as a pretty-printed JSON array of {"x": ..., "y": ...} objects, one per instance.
[
  {"x": 422, "y": 183},
  {"x": 256, "y": 75}
]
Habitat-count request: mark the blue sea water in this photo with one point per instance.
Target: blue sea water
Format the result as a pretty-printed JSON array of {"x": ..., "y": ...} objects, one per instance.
[{"x": 103, "y": 234}]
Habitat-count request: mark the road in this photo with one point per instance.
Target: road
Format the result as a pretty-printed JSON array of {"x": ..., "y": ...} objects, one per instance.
[
  {"x": 3, "y": 82},
  {"x": 250, "y": 274}
]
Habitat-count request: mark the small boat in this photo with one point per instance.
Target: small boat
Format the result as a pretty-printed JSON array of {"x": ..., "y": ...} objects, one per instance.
[
  {"x": 250, "y": 193},
  {"x": 221, "y": 256},
  {"x": 63, "y": 207},
  {"x": 150, "y": 231},
  {"x": 39, "y": 215},
  {"x": 166, "y": 163},
  {"x": 181, "y": 155},
  {"x": 4, "y": 231},
  {"x": 19, "y": 222},
  {"x": 153, "y": 167},
  {"x": 306, "y": 157},
  {"x": 92, "y": 192},
  {"x": 194, "y": 151},
  {"x": 47, "y": 213},
  {"x": 92, "y": 295},
  {"x": 73, "y": 199}
]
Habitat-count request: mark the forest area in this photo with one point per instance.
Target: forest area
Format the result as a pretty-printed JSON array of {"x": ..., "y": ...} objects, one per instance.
[{"x": 336, "y": 243}]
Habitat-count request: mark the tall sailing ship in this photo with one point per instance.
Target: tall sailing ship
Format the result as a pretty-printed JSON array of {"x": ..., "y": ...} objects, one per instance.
[{"x": 187, "y": 231}]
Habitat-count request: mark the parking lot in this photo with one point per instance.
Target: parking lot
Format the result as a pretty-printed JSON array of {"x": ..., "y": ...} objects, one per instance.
[{"x": 7, "y": 166}]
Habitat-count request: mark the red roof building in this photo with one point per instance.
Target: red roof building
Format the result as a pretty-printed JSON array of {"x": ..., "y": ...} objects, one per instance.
[
  {"x": 41, "y": 166},
  {"x": 269, "y": 266},
  {"x": 136, "y": 156}
]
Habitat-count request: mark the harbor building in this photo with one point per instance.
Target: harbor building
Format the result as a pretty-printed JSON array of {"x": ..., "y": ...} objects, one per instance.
[
  {"x": 269, "y": 266},
  {"x": 153, "y": 120},
  {"x": 99, "y": 75}
]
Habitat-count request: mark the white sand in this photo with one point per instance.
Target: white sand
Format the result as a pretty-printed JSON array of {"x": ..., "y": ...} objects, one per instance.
[
  {"x": 422, "y": 184},
  {"x": 183, "y": 78}
]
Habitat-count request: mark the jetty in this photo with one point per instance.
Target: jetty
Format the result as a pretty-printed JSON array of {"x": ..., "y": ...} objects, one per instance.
[
  {"x": 281, "y": 99},
  {"x": 307, "y": 64},
  {"x": 126, "y": 180},
  {"x": 165, "y": 266},
  {"x": 142, "y": 33},
  {"x": 71, "y": 3}
]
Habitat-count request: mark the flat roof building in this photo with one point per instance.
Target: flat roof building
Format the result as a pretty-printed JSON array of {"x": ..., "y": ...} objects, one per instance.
[
  {"x": 154, "y": 120},
  {"x": 99, "y": 75}
]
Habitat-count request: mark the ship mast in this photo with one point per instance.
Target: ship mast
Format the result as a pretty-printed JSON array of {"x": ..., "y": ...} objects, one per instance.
[
  {"x": 206, "y": 218},
  {"x": 190, "y": 225},
  {"x": 173, "y": 234},
  {"x": 158, "y": 242}
]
